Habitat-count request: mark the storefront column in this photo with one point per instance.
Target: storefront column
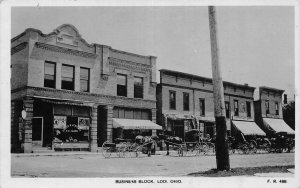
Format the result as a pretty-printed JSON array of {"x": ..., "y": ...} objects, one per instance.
[
  {"x": 28, "y": 107},
  {"x": 109, "y": 122},
  {"x": 93, "y": 129}
]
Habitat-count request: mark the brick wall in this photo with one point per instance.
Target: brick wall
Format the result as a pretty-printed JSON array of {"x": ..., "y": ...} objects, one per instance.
[
  {"x": 272, "y": 97},
  {"x": 202, "y": 89},
  {"x": 103, "y": 61}
]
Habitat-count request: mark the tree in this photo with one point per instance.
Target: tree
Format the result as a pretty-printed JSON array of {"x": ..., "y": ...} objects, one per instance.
[{"x": 288, "y": 112}]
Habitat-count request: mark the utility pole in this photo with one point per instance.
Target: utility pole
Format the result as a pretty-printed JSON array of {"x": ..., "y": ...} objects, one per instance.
[{"x": 222, "y": 155}]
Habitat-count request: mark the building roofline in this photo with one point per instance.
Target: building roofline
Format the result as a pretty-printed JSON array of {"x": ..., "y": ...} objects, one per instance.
[
  {"x": 271, "y": 89},
  {"x": 56, "y": 30},
  {"x": 205, "y": 78}
]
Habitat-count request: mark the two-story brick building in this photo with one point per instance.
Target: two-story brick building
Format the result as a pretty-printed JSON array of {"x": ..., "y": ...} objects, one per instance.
[
  {"x": 185, "y": 101},
  {"x": 268, "y": 111},
  {"x": 74, "y": 95}
]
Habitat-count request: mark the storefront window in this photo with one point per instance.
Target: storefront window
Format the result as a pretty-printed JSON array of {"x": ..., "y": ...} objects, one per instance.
[{"x": 71, "y": 129}]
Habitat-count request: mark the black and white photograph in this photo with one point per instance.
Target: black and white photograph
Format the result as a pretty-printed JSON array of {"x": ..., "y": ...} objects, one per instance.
[{"x": 149, "y": 94}]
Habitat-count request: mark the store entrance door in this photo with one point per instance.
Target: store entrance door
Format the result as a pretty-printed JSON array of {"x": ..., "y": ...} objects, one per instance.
[{"x": 37, "y": 131}]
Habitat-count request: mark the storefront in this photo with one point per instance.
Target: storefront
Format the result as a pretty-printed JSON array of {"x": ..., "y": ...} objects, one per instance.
[{"x": 61, "y": 125}]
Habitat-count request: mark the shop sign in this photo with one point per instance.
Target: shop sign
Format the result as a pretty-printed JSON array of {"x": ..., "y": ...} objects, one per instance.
[
  {"x": 83, "y": 123},
  {"x": 60, "y": 122}
]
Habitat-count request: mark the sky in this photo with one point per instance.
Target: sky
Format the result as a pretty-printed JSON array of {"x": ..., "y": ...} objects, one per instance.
[{"x": 256, "y": 43}]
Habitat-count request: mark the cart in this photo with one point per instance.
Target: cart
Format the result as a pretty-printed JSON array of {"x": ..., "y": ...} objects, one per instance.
[
  {"x": 193, "y": 145},
  {"x": 127, "y": 147}
]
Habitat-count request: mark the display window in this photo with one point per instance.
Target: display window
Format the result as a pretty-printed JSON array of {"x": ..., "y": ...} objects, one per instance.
[{"x": 71, "y": 129}]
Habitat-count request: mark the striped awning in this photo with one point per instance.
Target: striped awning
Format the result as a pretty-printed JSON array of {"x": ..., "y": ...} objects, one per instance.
[
  {"x": 135, "y": 124},
  {"x": 248, "y": 128},
  {"x": 278, "y": 125}
]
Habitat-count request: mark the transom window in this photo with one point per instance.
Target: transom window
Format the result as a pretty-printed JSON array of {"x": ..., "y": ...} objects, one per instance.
[{"x": 67, "y": 77}]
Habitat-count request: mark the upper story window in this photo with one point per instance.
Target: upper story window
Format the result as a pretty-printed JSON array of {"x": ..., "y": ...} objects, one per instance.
[
  {"x": 84, "y": 79},
  {"x": 67, "y": 77},
  {"x": 49, "y": 74},
  {"x": 227, "y": 108},
  {"x": 202, "y": 107},
  {"x": 276, "y": 108},
  {"x": 186, "y": 101},
  {"x": 236, "y": 107},
  {"x": 267, "y": 107},
  {"x": 138, "y": 87},
  {"x": 248, "y": 104},
  {"x": 121, "y": 85},
  {"x": 172, "y": 98}
]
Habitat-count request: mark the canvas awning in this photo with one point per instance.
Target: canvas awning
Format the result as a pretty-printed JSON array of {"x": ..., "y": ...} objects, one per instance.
[
  {"x": 278, "y": 125},
  {"x": 134, "y": 124},
  {"x": 249, "y": 128}
]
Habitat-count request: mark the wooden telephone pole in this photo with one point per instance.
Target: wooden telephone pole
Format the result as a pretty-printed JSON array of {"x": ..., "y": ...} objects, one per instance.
[{"x": 222, "y": 155}]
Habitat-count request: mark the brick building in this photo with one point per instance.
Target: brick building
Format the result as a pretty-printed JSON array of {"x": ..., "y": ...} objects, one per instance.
[
  {"x": 268, "y": 111},
  {"x": 76, "y": 95},
  {"x": 185, "y": 101}
]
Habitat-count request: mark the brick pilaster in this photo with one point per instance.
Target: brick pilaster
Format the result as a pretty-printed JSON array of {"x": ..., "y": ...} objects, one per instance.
[
  {"x": 93, "y": 129},
  {"x": 109, "y": 122},
  {"x": 28, "y": 106},
  {"x": 153, "y": 115}
]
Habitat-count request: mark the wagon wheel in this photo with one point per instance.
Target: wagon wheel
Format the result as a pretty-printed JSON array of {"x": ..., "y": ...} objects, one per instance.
[{"x": 106, "y": 149}]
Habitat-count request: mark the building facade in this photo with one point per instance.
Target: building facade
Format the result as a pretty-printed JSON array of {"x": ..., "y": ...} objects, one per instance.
[
  {"x": 185, "y": 101},
  {"x": 268, "y": 111},
  {"x": 68, "y": 94}
]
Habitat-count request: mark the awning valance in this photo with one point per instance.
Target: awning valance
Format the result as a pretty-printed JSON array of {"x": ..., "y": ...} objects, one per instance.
[
  {"x": 134, "y": 124},
  {"x": 71, "y": 103},
  {"x": 278, "y": 125},
  {"x": 248, "y": 128}
]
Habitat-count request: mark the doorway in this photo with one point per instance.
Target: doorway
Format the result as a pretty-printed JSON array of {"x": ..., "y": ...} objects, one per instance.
[{"x": 37, "y": 131}]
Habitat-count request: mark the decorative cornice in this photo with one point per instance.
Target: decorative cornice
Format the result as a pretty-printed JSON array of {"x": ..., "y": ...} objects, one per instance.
[
  {"x": 18, "y": 48},
  {"x": 129, "y": 65},
  {"x": 64, "y": 50},
  {"x": 128, "y": 53}
]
